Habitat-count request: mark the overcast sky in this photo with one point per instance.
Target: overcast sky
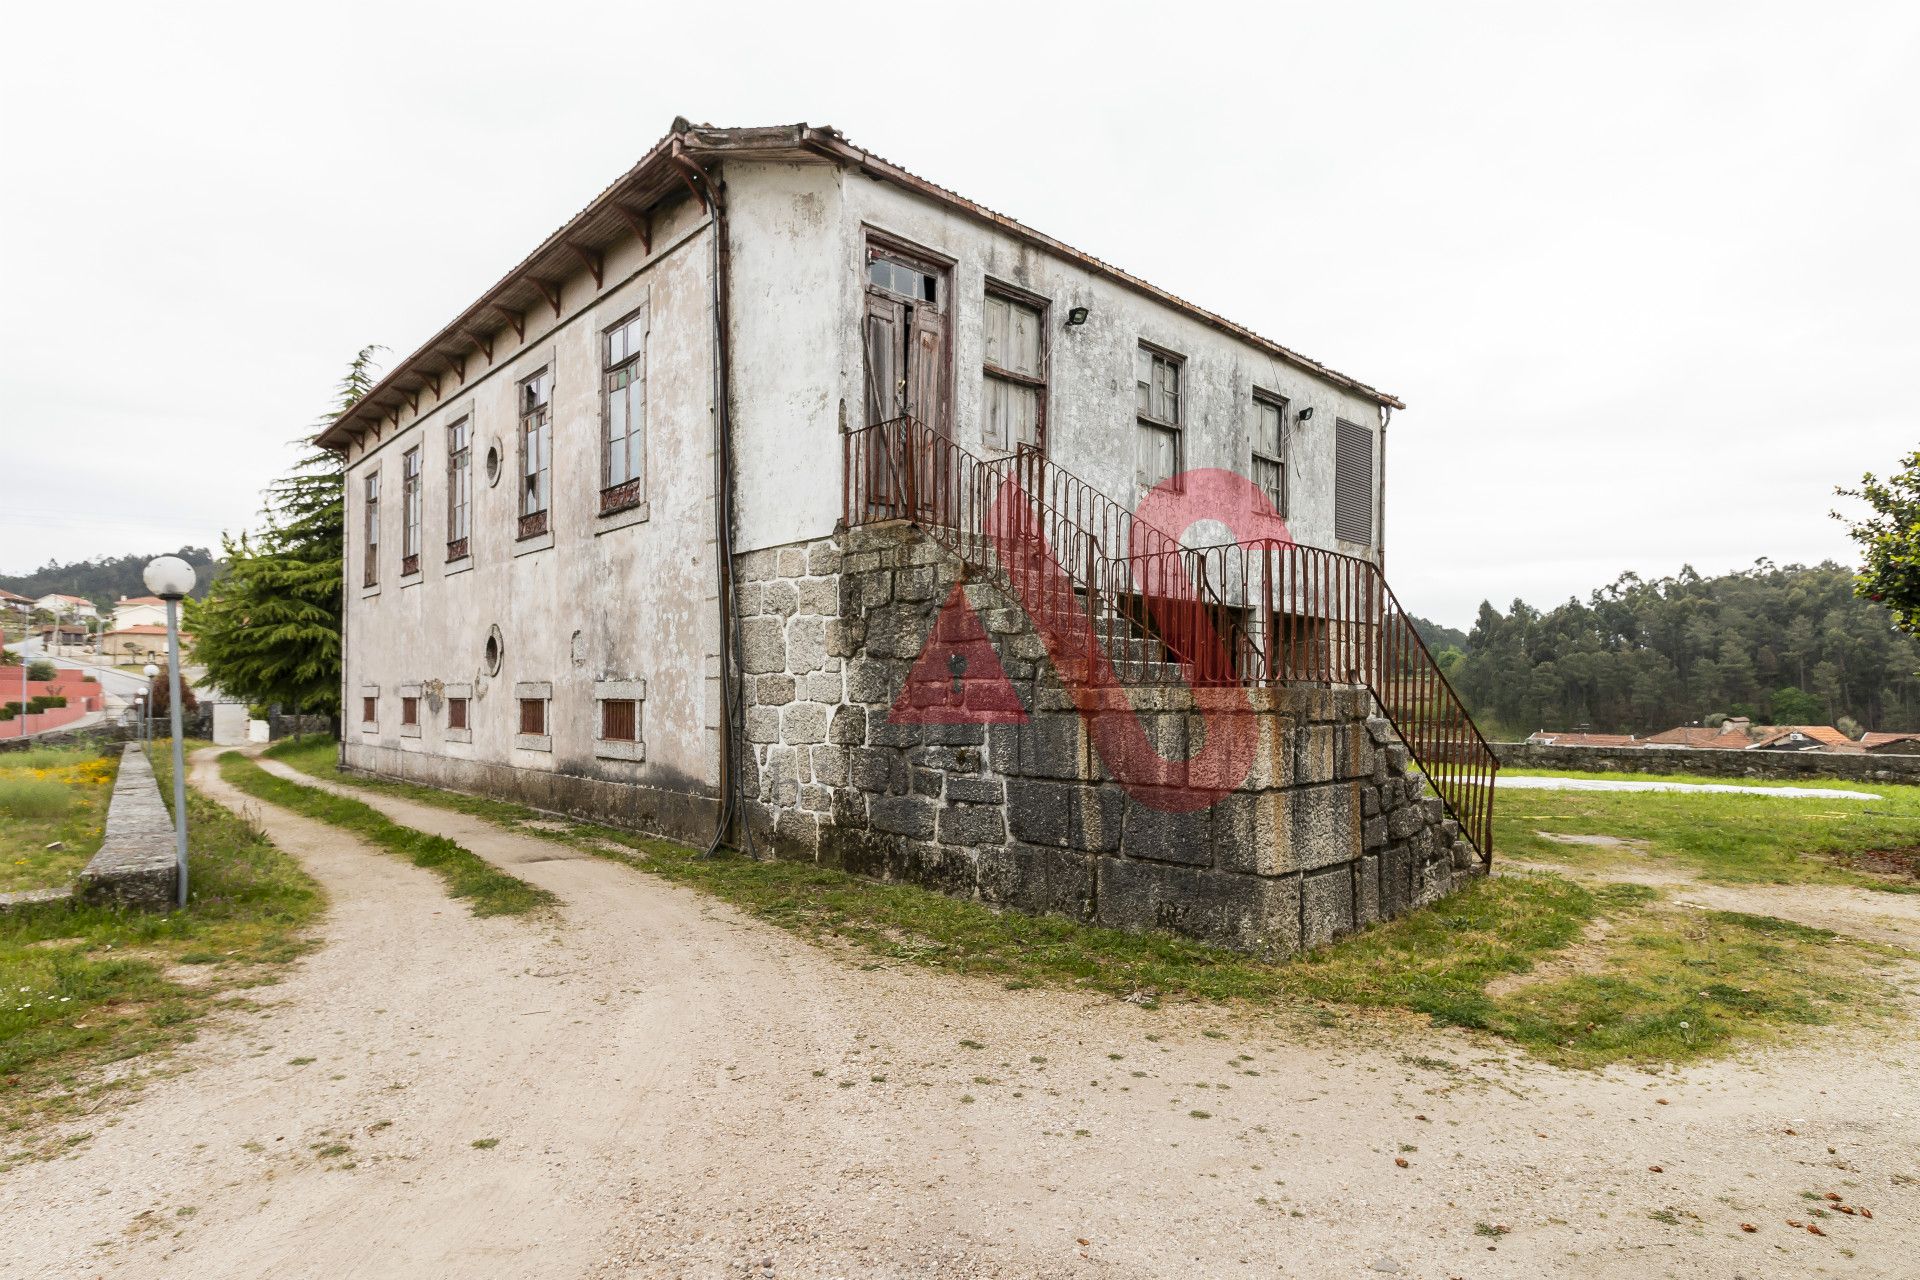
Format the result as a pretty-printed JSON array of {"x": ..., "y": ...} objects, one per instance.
[{"x": 1646, "y": 276}]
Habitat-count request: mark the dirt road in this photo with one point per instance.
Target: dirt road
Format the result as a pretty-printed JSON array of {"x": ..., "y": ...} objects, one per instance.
[{"x": 675, "y": 1089}]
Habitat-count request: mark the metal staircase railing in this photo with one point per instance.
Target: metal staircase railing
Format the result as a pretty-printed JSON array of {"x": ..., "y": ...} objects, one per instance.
[{"x": 1269, "y": 612}]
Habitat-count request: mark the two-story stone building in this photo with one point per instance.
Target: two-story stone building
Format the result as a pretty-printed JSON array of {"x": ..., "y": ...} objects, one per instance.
[{"x": 620, "y": 544}]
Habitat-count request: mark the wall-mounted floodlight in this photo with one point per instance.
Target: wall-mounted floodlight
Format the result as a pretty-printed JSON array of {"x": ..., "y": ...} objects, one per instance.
[
  {"x": 1306, "y": 413},
  {"x": 1077, "y": 317}
]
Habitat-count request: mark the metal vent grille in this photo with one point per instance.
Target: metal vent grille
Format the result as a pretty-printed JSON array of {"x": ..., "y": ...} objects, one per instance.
[{"x": 1352, "y": 482}]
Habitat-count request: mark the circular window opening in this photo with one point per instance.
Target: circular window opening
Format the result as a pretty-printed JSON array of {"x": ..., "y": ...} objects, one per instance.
[
  {"x": 493, "y": 464},
  {"x": 491, "y": 655}
]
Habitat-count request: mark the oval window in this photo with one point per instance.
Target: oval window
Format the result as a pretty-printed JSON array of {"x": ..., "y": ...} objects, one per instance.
[
  {"x": 493, "y": 464},
  {"x": 491, "y": 654}
]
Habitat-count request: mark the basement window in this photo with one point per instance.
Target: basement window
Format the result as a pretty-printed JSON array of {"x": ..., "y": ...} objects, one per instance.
[
  {"x": 409, "y": 711},
  {"x": 370, "y": 711},
  {"x": 621, "y": 703},
  {"x": 533, "y": 715},
  {"x": 456, "y": 713}
]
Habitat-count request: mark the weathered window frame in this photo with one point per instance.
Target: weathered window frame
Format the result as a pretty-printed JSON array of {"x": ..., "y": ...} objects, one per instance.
[
  {"x": 460, "y": 488},
  {"x": 1147, "y": 422},
  {"x": 459, "y": 708},
  {"x": 624, "y": 488},
  {"x": 411, "y": 500},
  {"x": 631, "y": 693},
  {"x": 370, "y": 530},
  {"x": 536, "y": 452},
  {"x": 528, "y": 693},
  {"x": 999, "y": 438},
  {"x": 369, "y": 708},
  {"x": 1277, "y": 459}
]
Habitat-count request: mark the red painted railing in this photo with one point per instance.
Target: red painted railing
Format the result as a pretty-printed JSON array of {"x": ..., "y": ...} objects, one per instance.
[{"x": 1269, "y": 612}]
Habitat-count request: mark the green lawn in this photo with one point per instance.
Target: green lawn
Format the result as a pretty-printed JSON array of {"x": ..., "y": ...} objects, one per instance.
[
  {"x": 1663, "y": 985},
  {"x": 84, "y": 987},
  {"x": 1725, "y": 838},
  {"x": 51, "y": 795}
]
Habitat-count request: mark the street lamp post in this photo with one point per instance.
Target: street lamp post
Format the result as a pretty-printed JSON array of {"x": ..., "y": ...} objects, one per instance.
[{"x": 170, "y": 578}]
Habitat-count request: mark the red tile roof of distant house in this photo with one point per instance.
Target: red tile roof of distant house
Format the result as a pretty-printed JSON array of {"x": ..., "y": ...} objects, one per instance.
[
  {"x": 9, "y": 595},
  {"x": 1890, "y": 743},
  {"x": 1700, "y": 737},
  {"x": 68, "y": 599},
  {"x": 1554, "y": 738},
  {"x": 140, "y": 629},
  {"x": 152, "y": 600},
  {"x": 1750, "y": 737}
]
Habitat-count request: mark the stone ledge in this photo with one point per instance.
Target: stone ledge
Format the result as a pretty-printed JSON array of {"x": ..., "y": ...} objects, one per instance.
[{"x": 137, "y": 864}]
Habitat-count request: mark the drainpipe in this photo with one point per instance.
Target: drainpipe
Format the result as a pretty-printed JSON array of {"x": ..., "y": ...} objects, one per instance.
[
  {"x": 719, "y": 274},
  {"x": 1380, "y": 500}
]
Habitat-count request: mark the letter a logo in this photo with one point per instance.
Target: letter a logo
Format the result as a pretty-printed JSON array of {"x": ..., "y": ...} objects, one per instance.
[{"x": 957, "y": 678}]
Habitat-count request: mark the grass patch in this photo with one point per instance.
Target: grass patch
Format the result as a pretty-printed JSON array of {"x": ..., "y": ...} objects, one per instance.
[
  {"x": 88, "y": 986},
  {"x": 1668, "y": 985},
  {"x": 488, "y": 890},
  {"x": 1728, "y": 839},
  {"x": 51, "y": 795}
]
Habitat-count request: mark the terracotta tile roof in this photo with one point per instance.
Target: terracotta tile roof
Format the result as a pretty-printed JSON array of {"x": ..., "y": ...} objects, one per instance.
[
  {"x": 152, "y": 600},
  {"x": 1554, "y": 738},
  {"x": 1871, "y": 740},
  {"x": 143, "y": 629},
  {"x": 1697, "y": 736}
]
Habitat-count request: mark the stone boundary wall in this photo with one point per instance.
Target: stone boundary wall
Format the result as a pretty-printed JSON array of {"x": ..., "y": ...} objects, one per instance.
[
  {"x": 1333, "y": 830},
  {"x": 137, "y": 863},
  {"x": 1711, "y": 762},
  {"x": 88, "y": 735}
]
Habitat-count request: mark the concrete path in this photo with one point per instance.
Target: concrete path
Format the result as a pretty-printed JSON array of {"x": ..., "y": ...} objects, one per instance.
[
  {"x": 677, "y": 1089},
  {"x": 1527, "y": 782}
]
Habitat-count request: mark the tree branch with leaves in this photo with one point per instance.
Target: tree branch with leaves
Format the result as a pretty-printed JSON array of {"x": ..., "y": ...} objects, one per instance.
[{"x": 1890, "y": 541}]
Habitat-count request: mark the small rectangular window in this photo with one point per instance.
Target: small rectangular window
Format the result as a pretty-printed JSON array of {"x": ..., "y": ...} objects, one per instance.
[
  {"x": 1157, "y": 440},
  {"x": 1015, "y": 372},
  {"x": 409, "y": 711},
  {"x": 370, "y": 529},
  {"x": 624, "y": 415},
  {"x": 619, "y": 719},
  {"x": 410, "y": 498},
  {"x": 1352, "y": 482},
  {"x": 368, "y": 707},
  {"x": 533, "y": 716},
  {"x": 1270, "y": 449},
  {"x": 456, "y": 713},
  {"x": 536, "y": 453},
  {"x": 459, "y": 489}
]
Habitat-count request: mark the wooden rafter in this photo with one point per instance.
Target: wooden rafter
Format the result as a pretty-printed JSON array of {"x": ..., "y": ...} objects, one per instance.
[
  {"x": 640, "y": 222},
  {"x": 518, "y": 319},
  {"x": 457, "y": 363},
  {"x": 593, "y": 262},
  {"x": 484, "y": 345},
  {"x": 548, "y": 291}
]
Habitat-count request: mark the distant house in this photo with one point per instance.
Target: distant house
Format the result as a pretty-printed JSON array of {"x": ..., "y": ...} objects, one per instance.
[
  {"x": 62, "y": 606},
  {"x": 1890, "y": 744},
  {"x": 1556, "y": 738},
  {"x": 65, "y": 633},
  {"x": 1741, "y": 734},
  {"x": 15, "y": 603},
  {"x": 146, "y": 642},
  {"x": 139, "y": 611}
]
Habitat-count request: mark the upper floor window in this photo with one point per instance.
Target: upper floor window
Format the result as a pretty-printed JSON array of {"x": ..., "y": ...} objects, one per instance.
[
  {"x": 1015, "y": 376},
  {"x": 410, "y": 511},
  {"x": 459, "y": 489},
  {"x": 623, "y": 444},
  {"x": 1270, "y": 449},
  {"x": 1352, "y": 482},
  {"x": 536, "y": 452},
  {"x": 371, "y": 530},
  {"x": 1157, "y": 444}
]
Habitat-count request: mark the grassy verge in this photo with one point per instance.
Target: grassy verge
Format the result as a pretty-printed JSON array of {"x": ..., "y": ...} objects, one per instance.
[
  {"x": 51, "y": 795},
  {"x": 86, "y": 987},
  {"x": 488, "y": 890},
  {"x": 1726, "y": 838},
  {"x": 1663, "y": 985}
]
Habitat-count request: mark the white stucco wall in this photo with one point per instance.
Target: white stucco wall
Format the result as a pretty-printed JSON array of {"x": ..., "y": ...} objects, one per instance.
[
  {"x": 799, "y": 235},
  {"x": 604, "y": 598}
]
